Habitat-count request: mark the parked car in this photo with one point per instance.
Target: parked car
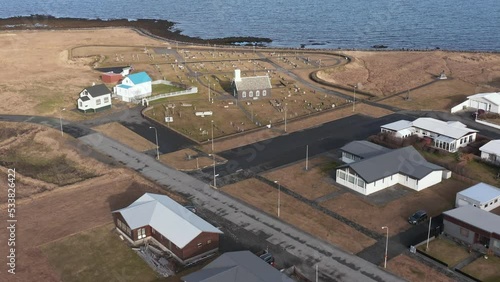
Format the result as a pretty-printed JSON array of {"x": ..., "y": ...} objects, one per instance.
[{"x": 417, "y": 217}]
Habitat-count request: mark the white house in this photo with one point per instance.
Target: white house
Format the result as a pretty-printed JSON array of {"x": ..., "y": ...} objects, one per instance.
[
  {"x": 404, "y": 166},
  {"x": 491, "y": 152},
  {"x": 134, "y": 87},
  {"x": 94, "y": 98},
  {"x": 489, "y": 102},
  {"x": 446, "y": 135},
  {"x": 481, "y": 195}
]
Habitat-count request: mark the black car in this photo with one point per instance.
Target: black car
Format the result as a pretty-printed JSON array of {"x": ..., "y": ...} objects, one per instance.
[{"x": 417, "y": 217}]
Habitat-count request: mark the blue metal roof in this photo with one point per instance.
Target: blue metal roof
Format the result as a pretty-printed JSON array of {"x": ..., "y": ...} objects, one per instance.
[{"x": 140, "y": 77}]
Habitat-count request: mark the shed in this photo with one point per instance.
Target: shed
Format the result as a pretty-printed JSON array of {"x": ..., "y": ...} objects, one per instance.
[
  {"x": 481, "y": 195},
  {"x": 111, "y": 77}
]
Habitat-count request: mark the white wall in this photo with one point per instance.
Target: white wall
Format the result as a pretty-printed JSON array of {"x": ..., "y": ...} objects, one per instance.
[
  {"x": 432, "y": 178},
  {"x": 381, "y": 184},
  {"x": 92, "y": 103},
  {"x": 460, "y": 106}
]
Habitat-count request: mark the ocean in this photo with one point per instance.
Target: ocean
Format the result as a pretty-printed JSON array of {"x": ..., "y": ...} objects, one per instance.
[{"x": 355, "y": 24}]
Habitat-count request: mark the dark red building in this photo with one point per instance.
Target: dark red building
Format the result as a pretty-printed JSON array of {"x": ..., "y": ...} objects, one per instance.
[
  {"x": 159, "y": 220},
  {"x": 111, "y": 77}
]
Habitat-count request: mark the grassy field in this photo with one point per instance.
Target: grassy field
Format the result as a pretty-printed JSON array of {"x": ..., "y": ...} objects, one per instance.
[
  {"x": 164, "y": 88},
  {"x": 412, "y": 270},
  {"x": 446, "y": 251},
  {"x": 487, "y": 270},
  {"x": 97, "y": 255},
  {"x": 126, "y": 136},
  {"x": 299, "y": 214}
]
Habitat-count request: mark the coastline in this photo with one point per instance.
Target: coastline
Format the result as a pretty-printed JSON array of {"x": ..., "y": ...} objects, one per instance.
[{"x": 157, "y": 28}]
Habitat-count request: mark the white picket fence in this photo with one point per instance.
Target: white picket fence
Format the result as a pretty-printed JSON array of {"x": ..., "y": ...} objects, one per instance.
[{"x": 146, "y": 100}]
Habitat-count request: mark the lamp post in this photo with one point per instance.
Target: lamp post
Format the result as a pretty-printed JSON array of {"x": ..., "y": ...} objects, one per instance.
[
  {"x": 279, "y": 196},
  {"x": 60, "y": 120},
  {"x": 215, "y": 175},
  {"x": 354, "y": 102},
  {"x": 285, "y": 117},
  {"x": 428, "y": 234},
  {"x": 157, "y": 147},
  {"x": 386, "y": 244},
  {"x": 212, "y": 136}
]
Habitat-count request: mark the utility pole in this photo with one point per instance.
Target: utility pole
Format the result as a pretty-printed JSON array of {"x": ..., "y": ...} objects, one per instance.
[{"x": 307, "y": 155}]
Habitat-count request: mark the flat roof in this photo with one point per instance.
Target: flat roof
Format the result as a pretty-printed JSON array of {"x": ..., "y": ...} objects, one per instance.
[
  {"x": 492, "y": 147},
  {"x": 451, "y": 129},
  {"x": 481, "y": 192},
  {"x": 476, "y": 217},
  {"x": 398, "y": 125}
]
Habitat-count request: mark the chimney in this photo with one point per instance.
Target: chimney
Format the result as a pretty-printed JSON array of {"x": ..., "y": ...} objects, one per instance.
[{"x": 237, "y": 75}]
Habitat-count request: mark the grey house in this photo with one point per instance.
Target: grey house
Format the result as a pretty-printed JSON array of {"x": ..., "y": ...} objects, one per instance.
[
  {"x": 251, "y": 88},
  {"x": 241, "y": 266},
  {"x": 474, "y": 227},
  {"x": 358, "y": 150}
]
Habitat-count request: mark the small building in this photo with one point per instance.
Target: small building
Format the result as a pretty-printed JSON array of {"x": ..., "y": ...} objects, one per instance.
[
  {"x": 489, "y": 102},
  {"x": 474, "y": 227},
  {"x": 111, "y": 77},
  {"x": 445, "y": 135},
  {"x": 491, "y": 152},
  {"x": 159, "y": 220},
  {"x": 404, "y": 166},
  {"x": 95, "y": 98},
  {"x": 251, "y": 88},
  {"x": 357, "y": 150},
  {"x": 134, "y": 87},
  {"x": 242, "y": 266},
  {"x": 481, "y": 195}
]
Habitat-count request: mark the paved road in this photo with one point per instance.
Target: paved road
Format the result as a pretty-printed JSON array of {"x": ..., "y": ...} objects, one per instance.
[{"x": 334, "y": 264}]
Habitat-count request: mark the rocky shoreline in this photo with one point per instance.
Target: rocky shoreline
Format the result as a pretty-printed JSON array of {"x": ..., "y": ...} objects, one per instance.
[{"x": 159, "y": 28}]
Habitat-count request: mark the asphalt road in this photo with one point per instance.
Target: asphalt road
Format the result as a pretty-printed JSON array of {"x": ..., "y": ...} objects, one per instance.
[{"x": 290, "y": 148}]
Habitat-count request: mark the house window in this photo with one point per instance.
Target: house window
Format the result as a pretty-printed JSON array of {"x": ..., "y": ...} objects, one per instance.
[
  {"x": 464, "y": 232},
  {"x": 341, "y": 174},
  {"x": 209, "y": 241},
  {"x": 361, "y": 182},
  {"x": 80, "y": 104},
  {"x": 199, "y": 245},
  {"x": 153, "y": 230},
  {"x": 496, "y": 244},
  {"x": 97, "y": 101},
  {"x": 257, "y": 93},
  {"x": 264, "y": 92},
  {"x": 470, "y": 138},
  {"x": 244, "y": 94},
  {"x": 250, "y": 94},
  {"x": 106, "y": 100},
  {"x": 351, "y": 178},
  {"x": 141, "y": 233}
]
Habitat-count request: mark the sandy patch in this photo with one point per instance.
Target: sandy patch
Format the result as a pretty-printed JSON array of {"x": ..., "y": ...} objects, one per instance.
[
  {"x": 188, "y": 159},
  {"x": 126, "y": 136}
]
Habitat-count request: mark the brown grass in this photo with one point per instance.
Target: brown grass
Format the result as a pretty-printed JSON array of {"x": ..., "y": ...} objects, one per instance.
[
  {"x": 434, "y": 200},
  {"x": 311, "y": 184},
  {"x": 294, "y": 212},
  {"x": 385, "y": 73},
  {"x": 179, "y": 160},
  {"x": 487, "y": 270},
  {"x": 446, "y": 251},
  {"x": 412, "y": 270},
  {"x": 126, "y": 136}
]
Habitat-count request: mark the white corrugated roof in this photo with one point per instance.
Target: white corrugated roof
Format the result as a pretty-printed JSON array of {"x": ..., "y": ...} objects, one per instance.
[
  {"x": 492, "y": 147},
  {"x": 477, "y": 217},
  {"x": 442, "y": 127},
  {"x": 398, "y": 125},
  {"x": 481, "y": 192},
  {"x": 493, "y": 97},
  {"x": 172, "y": 220}
]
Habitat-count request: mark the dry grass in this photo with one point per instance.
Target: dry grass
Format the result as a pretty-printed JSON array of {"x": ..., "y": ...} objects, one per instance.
[
  {"x": 487, "y": 270},
  {"x": 446, "y": 251},
  {"x": 126, "y": 136},
  {"x": 179, "y": 160},
  {"x": 385, "y": 73},
  {"x": 311, "y": 184},
  {"x": 434, "y": 200},
  {"x": 296, "y": 213},
  {"x": 412, "y": 270}
]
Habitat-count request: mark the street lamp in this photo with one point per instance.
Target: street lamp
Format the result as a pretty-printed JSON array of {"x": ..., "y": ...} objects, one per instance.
[
  {"x": 279, "y": 196},
  {"x": 212, "y": 136},
  {"x": 386, "y": 244},
  {"x": 157, "y": 147},
  {"x": 354, "y": 102},
  {"x": 215, "y": 175},
  {"x": 60, "y": 120},
  {"x": 285, "y": 117}
]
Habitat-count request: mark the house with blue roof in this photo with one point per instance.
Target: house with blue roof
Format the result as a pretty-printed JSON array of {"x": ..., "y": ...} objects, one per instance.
[{"x": 134, "y": 87}]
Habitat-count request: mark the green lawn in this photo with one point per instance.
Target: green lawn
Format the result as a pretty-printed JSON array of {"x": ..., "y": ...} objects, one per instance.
[
  {"x": 164, "y": 88},
  {"x": 446, "y": 251},
  {"x": 97, "y": 255},
  {"x": 487, "y": 270}
]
